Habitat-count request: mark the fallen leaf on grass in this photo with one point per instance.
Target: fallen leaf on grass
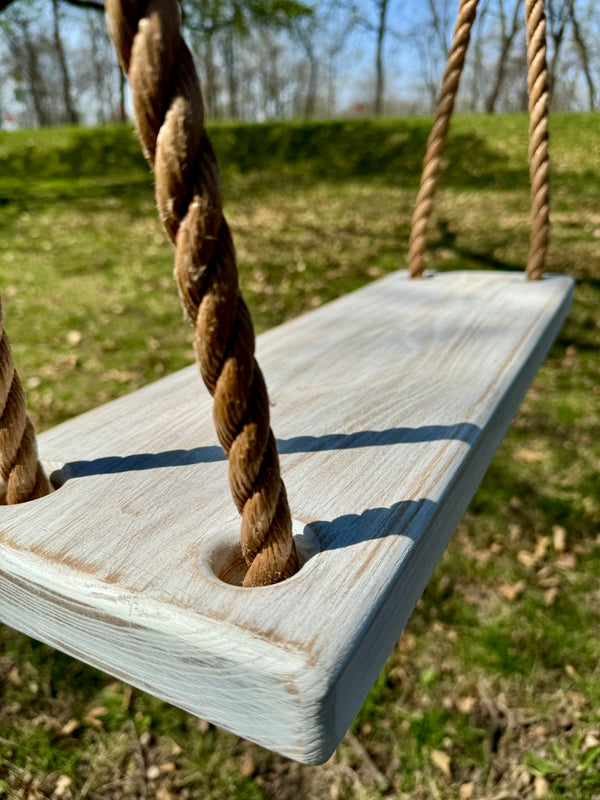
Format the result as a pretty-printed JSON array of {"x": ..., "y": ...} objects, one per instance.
[
  {"x": 541, "y": 786},
  {"x": 153, "y": 772},
  {"x": 14, "y": 676},
  {"x": 529, "y": 456},
  {"x": 526, "y": 558},
  {"x": 591, "y": 740},
  {"x": 540, "y": 730},
  {"x": 442, "y": 761},
  {"x": 546, "y": 579},
  {"x": 246, "y": 766},
  {"x": 571, "y": 672},
  {"x": 63, "y": 785},
  {"x": 550, "y": 595},
  {"x": 92, "y": 717},
  {"x": 127, "y": 692},
  {"x": 512, "y": 592},
  {"x": 60, "y": 363},
  {"x": 541, "y": 547},
  {"x": 566, "y": 561},
  {"x": 171, "y": 747},
  {"x": 466, "y": 790},
  {"x": 559, "y": 538},
  {"x": 576, "y": 699},
  {"x": 120, "y": 375},
  {"x": 69, "y": 727},
  {"x": 466, "y": 704},
  {"x": 584, "y": 548},
  {"x": 74, "y": 338},
  {"x": 408, "y": 642}
]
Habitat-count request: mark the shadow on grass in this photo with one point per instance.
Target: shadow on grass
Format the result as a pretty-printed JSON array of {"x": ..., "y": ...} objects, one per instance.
[{"x": 390, "y": 150}]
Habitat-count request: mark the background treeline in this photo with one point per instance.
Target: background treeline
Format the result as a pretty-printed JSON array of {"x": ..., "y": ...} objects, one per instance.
[{"x": 279, "y": 59}]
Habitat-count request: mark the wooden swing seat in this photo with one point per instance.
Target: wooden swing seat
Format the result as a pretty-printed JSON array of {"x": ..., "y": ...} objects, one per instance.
[{"x": 388, "y": 405}]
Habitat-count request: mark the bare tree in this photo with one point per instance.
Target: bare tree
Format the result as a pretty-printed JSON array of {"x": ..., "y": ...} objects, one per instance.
[
  {"x": 231, "y": 71},
  {"x": 474, "y": 80},
  {"x": 25, "y": 49},
  {"x": 305, "y": 31},
  {"x": 96, "y": 74},
  {"x": 431, "y": 37},
  {"x": 558, "y": 14},
  {"x": 510, "y": 24},
  {"x": 93, "y": 5},
  {"x": 70, "y": 112},
  {"x": 382, "y": 9},
  {"x": 340, "y": 20},
  {"x": 583, "y": 52}
]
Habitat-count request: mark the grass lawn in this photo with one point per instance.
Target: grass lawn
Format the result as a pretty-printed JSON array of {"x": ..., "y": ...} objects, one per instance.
[{"x": 493, "y": 690}]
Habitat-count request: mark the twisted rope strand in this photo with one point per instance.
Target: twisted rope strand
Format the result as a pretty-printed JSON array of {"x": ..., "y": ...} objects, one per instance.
[
  {"x": 539, "y": 159},
  {"x": 22, "y": 474},
  {"x": 169, "y": 116},
  {"x": 437, "y": 138}
]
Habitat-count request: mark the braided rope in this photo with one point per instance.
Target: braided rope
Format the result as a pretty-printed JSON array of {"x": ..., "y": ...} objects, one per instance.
[
  {"x": 539, "y": 160},
  {"x": 169, "y": 115},
  {"x": 437, "y": 138},
  {"x": 20, "y": 470}
]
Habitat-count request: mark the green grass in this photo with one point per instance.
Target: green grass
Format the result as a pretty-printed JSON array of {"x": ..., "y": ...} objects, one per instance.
[{"x": 499, "y": 666}]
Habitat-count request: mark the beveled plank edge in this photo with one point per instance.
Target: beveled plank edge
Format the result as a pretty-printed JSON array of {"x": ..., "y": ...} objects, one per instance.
[
  {"x": 352, "y": 683},
  {"x": 258, "y": 683}
]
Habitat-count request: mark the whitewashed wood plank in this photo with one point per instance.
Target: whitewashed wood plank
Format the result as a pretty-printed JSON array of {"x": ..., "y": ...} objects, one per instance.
[{"x": 388, "y": 406}]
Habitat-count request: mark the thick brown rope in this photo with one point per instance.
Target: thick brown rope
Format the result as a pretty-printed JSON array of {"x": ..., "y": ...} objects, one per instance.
[
  {"x": 437, "y": 138},
  {"x": 22, "y": 474},
  {"x": 539, "y": 161},
  {"x": 169, "y": 115}
]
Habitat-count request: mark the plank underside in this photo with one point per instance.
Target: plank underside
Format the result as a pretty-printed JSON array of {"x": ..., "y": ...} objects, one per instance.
[{"x": 387, "y": 404}]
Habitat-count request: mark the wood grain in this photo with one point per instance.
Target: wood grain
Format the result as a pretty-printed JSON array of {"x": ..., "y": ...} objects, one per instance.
[{"x": 388, "y": 405}]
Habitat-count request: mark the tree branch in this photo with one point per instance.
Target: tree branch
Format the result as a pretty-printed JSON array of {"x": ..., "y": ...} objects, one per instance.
[{"x": 94, "y": 5}]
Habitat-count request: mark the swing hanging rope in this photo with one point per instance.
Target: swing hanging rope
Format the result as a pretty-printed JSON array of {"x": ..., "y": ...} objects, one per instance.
[
  {"x": 539, "y": 162},
  {"x": 169, "y": 115},
  {"x": 23, "y": 477}
]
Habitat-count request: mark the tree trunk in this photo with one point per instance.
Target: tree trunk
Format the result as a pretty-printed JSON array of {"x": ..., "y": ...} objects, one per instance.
[
  {"x": 232, "y": 83},
  {"x": 557, "y": 19},
  {"x": 585, "y": 58},
  {"x": 34, "y": 80},
  {"x": 306, "y": 39},
  {"x": 122, "y": 84},
  {"x": 507, "y": 40},
  {"x": 477, "y": 59},
  {"x": 94, "y": 5},
  {"x": 379, "y": 76},
  {"x": 310, "y": 102},
  {"x": 211, "y": 88},
  {"x": 70, "y": 112}
]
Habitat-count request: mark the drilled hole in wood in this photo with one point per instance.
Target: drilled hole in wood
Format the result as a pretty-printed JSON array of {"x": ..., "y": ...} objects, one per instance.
[{"x": 222, "y": 558}]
